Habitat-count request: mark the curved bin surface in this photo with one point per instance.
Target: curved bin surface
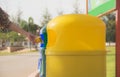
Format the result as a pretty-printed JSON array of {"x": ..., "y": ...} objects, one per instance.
[{"x": 76, "y": 47}]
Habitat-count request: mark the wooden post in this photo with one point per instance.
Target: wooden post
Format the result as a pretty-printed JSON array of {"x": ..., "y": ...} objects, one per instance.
[
  {"x": 118, "y": 39},
  {"x": 86, "y": 6}
]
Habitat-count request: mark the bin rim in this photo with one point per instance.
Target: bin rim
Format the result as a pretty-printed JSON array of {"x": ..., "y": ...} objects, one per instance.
[{"x": 77, "y": 53}]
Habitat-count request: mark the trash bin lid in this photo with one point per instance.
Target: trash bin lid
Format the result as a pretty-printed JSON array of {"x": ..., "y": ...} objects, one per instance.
[{"x": 75, "y": 33}]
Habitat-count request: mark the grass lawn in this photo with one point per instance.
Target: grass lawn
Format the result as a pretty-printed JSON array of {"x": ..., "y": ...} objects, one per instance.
[
  {"x": 5, "y": 53},
  {"x": 111, "y": 61}
]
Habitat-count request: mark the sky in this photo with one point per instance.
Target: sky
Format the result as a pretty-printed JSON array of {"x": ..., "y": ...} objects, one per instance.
[{"x": 36, "y": 8}]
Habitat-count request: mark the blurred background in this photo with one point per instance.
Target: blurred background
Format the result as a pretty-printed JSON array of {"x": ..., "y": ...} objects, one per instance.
[{"x": 18, "y": 56}]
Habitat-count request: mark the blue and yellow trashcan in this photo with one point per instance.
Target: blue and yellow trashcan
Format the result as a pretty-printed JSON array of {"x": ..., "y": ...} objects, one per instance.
[{"x": 76, "y": 47}]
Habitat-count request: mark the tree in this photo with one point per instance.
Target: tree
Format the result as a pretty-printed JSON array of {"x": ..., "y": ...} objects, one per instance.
[
  {"x": 45, "y": 18},
  {"x": 17, "y": 18},
  {"x": 31, "y": 26},
  {"x": 76, "y": 9},
  {"x": 24, "y": 25},
  {"x": 60, "y": 12},
  {"x": 3, "y": 38},
  {"x": 13, "y": 36},
  {"x": 110, "y": 27}
]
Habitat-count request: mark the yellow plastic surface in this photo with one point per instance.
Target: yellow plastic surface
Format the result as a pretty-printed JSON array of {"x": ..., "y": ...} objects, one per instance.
[
  {"x": 75, "y": 33},
  {"x": 76, "y": 66},
  {"x": 76, "y": 47}
]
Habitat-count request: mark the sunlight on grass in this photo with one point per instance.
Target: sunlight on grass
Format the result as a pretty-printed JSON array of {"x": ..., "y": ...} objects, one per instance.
[
  {"x": 5, "y": 53},
  {"x": 110, "y": 61}
]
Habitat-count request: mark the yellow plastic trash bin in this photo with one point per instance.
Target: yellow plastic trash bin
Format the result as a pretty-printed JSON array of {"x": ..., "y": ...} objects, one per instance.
[{"x": 76, "y": 47}]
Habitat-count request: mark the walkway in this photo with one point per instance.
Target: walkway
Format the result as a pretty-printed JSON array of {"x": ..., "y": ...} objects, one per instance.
[{"x": 20, "y": 65}]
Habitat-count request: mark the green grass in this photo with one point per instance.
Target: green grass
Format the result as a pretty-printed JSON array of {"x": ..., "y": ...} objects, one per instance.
[
  {"x": 5, "y": 53},
  {"x": 110, "y": 62}
]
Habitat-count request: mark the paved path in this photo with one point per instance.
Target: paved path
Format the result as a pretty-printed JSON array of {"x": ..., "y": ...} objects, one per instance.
[{"x": 18, "y": 65}]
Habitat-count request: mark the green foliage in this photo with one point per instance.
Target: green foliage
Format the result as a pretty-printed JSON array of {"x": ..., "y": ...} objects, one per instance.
[
  {"x": 31, "y": 26},
  {"x": 13, "y": 36},
  {"x": 24, "y": 24},
  {"x": 110, "y": 27},
  {"x": 3, "y": 36}
]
